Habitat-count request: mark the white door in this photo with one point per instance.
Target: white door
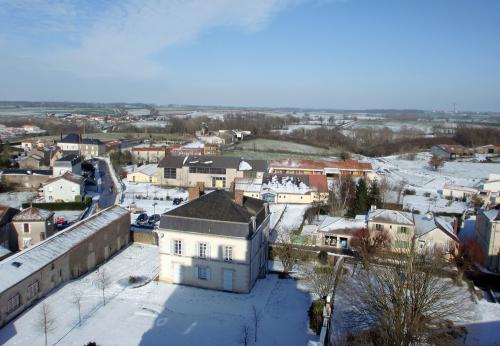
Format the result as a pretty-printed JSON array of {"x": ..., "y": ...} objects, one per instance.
[
  {"x": 106, "y": 252},
  {"x": 228, "y": 280},
  {"x": 177, "y": 273}
]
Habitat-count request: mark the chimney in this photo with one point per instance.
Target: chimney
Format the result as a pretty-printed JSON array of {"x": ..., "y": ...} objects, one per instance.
[
  {"x": 201, "y": 187},
  {"x": 456, "y": 226},
  {"x": 254, "y": 223},
  {"x": 194, "y": 192},
  {"x": 238, "y": 197}
]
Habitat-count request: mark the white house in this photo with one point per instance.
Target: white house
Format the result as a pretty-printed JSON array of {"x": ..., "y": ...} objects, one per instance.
[
  {"x": 217, "y": 241},
  {"x": 63, "y": 188},
  {"x": 70, "y": 163},
  {"x": 491, "y": 188}
]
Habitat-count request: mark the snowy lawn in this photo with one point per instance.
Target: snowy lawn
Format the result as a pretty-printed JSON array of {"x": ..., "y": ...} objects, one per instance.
[
  {"x": 161, "y": 313},
  {"x": 137, "y": 260},
  {"x": 15, "y": 199},
  {"x": 286, "y": 218}
]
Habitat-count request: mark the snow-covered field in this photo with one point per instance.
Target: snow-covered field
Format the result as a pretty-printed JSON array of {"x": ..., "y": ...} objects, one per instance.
[
  {"x": 145, "y": 195},
  {"x": 15, "y": 199},
  {"x": 161, "y": 313},
  {"x": 422, "y": 179}
]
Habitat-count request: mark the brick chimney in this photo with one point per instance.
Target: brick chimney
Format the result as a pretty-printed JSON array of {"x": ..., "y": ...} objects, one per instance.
[
  {"x": 194, "y": 192},
  {"x": 238, "y": 197},
  {"x": 456, "y": 226}
]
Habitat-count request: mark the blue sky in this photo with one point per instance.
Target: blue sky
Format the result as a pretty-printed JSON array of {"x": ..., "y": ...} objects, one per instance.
[{"x": 349, "y": 54}]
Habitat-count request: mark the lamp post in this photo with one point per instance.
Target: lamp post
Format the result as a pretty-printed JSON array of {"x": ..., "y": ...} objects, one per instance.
[{"x": 154, "y": 207}]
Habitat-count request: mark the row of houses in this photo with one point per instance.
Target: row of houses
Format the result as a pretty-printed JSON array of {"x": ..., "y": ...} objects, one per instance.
[
  {"x": 456, "y": 151},
  {"x": 398, "y": 230}
]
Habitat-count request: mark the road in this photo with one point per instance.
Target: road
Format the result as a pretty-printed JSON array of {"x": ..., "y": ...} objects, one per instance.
[{"x": 107, "y": 197}]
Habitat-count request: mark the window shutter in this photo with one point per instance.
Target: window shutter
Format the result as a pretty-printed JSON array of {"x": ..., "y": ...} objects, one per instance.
[
  {"x": 209, "y": 273},
  {"x": 172, "y": 247},
  {"x": 195, "y": 272},
  {"x": 208, "y": 250},
  {"x": 197, "y": 249}
]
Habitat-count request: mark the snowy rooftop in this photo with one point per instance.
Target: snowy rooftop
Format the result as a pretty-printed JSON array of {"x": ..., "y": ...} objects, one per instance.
[
  {"x": 33, "y": 214},
  {"x": 248, "y": 184},
  {"x": 147, "y": 169},
  {"x": 196, "y": 144},
  {"x": 285, "y": 184},
  {"x": 391, "y": 216},
  {"x": 69, "y": 176},
  {"x": 244, "y": 166},
  {"x": 339, "y": 223},
  {"x": 23, "y": 264},
  {"x": 427, "y": 223},
  {"x": 459, "y": 188}
]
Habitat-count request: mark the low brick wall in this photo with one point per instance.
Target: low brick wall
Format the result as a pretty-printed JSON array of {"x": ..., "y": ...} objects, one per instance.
[{"x": 144, "y": 237}]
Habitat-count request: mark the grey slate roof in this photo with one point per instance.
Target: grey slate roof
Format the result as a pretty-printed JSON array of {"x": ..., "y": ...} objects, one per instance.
[
  {"x": 212, "y": 161},
  {"x": 258, "y": 165},
  {"x": 73, "y": 158},
  {"x": 216, "y": 213},
  {"x": 75, "y": 139},
  {"x": 171, "y": 162},
  {"x": 493, "y": 215},
  {"x": 425, "y": 224}
]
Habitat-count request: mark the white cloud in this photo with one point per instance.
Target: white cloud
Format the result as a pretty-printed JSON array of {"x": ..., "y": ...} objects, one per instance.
[{"x": 121, "y": 41}]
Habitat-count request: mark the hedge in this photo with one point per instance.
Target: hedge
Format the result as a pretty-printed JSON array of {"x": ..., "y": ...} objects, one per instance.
[{"x": 57, "y": 205}]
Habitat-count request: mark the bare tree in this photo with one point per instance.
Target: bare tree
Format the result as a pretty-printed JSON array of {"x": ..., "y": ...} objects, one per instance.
[
  {"x": 341, "y": 195},
  {"x": 256, "y": 319},
  {"x": 407, "y": 302},
  {"x": 103, "y": 282},
  {"x": 245, "y": 334},
  {"x": 288, "y": 254},
  {"x": 399, "y": 188},
  {"x": 436, "y": 162},
  {"x": 45, "y": 322},
  {"x": 323, "y": 279},
  {"x": 77, "y": 300},
  {"x": 384, "y": 186}
]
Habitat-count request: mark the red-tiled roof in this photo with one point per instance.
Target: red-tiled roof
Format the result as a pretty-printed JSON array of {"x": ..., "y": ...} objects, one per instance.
[
  {"x": 75, "y": 178},
  {"x": 351, "y": 164},
  {"x": 296, "y": 163},
  {"x": 319, "y": 182}
]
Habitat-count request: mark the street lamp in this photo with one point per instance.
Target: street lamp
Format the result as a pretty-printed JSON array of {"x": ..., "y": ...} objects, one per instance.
[{"x": 154, "y": 207}]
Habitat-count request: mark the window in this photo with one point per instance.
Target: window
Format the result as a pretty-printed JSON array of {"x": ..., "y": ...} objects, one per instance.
[
  {"x": 219, "y": 182},
  {"x": 228, "y": 253},
  {"x": 33, "y": 289},
  {"x": 13, "y": 303},
  {"x": 178, "y": 247},
  {"x": 202, "y": 273},
  {"x": 402, "y": 244},
  {"x": 379, "y": 227},
  {"x": 403, "y": 230},
  {"x": 50, "y": 197},
  {"x": 26, "y": 227},
  {"x": 170, "y": 173},
  {"x": 202, "y": 250},
  {"x": 249, "y": 174}
]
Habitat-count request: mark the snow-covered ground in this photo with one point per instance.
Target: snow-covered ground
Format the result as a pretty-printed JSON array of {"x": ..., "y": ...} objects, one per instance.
[
  {"x": 15, "y": 199},
  {"x": 481, "y": 318},
  {"x": 286, "y": 218},
  {"x": 422, "y": 179},
  {"x": 145, "y": 195},
  {"x": 161, "y": 313}
]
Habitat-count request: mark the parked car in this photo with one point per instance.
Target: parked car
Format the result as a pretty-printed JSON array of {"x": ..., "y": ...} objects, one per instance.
[
  {"x": 154, "y": 218},
  {"x": 177, "y": 201},
  {"x": 142, "y": 218}
]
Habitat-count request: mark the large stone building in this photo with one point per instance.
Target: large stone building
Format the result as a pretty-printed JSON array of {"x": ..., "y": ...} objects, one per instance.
[
  {"x": 70, "y": 163},
  {"x": 85, "y": 147},
  {"x": 217, "y": 241},
  {"x": 212, "y": 171},
  {"x": 31, "y": 274},
  {"x": 488, "y": 237}
]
